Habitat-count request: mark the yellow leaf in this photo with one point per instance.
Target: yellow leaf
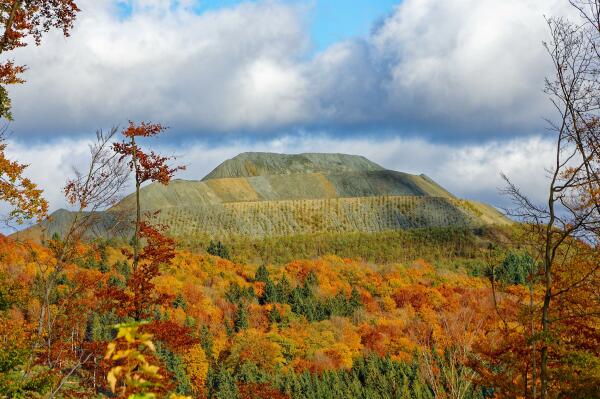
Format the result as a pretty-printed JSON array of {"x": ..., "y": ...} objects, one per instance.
[
  {"x": 150, "y": 345},
  {"x": 112, "y": 377},
  {"x": 110, "y": 350},
  {"x": 152, "y": 370}
]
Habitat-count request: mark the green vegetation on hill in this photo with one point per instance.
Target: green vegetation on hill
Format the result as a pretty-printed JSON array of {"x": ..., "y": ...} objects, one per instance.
[
  {"x": 280, "y": 218},
  {"x": 250, "y": 164},
  {"x": 263, "y": 194},
  {"x": 450, "y": 245},
  {"x": 305, "y": 186}
]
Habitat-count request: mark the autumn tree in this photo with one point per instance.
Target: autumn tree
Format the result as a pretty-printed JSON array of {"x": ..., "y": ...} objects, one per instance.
[
  {"x": 158, "y": 250},
  {"x": 564, "y": 230},
  {"x": 62, "y": 305},
  {"x": 197, "y": 366},
  {"x": 133, "y": 374},
  {"x": 146, "y": 167},
  {"x": 95, "y": 188},
  {"x": 91, "y": 191},
  {"x": 444, "y": 361},
  {"x": 24, "y": 197},
  {"x": 23, "y": 20}
]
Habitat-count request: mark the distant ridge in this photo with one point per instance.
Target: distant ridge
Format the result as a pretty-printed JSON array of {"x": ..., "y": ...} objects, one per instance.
[
  {"x": 267, "y": 194},
  {"x": 248, "y": 164},
  {"x": 283, "y": 187}
]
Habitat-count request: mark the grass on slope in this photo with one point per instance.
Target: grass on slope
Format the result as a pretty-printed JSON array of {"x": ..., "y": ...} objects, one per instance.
[
  {"x": 456, "y": 247},
  {"x": 367, "y": 214},
  {"x": 304, "y": 186}
]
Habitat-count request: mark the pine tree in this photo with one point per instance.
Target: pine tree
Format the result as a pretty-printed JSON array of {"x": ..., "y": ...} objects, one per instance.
[
  {"x": 234, "y": 293},
  {"x": 179, "y": 302},
  {"x": 270, "y": 294},
  {"x": 124, "y": 269},
  {"x": 283, "y": 290},
  {"x": 312, "y": 280},
  {"x": 226, "y": 386},
  {"x": 93, "y": 327},
  {"x": 405, "y": 389},
  {"x": 114, "y": 281},
  {"x": 241, "y": 318},
  {"x": 262, "y": 274},
  {"x": 355, "y": 299},
  {"x": 218, "y": 249},
  {"x": 176, "y": 367},
  {"x": 206, "y": 341},
  {"x": 189, "y": 322},
  {"x": 275, "y": 316}
]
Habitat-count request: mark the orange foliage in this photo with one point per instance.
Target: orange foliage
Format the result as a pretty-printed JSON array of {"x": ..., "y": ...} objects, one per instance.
[
  {"x": 18, "y": 191},
  {"x": 141, "y": 295},
  {"x": 147, "y": 166},
  {"x": 196, "y": 367},
  {"x": 406, "y": 310},
  {"x": 28, "y": 19},
  {"x": 253, "y": 346}
]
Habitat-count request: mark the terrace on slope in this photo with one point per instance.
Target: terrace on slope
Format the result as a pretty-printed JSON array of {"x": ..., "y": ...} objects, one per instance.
[{"x": 277, "y": 194}]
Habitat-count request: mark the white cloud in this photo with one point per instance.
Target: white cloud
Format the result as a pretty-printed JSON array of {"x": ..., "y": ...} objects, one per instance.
[
  {"x": 469, "y": 171},
  {"x": 221, "y": 70},
  {"x": 449, "y": 68},
  {"x": 458, "y": 67}
]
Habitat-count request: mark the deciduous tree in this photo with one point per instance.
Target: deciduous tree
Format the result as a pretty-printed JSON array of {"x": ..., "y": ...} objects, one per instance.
[
  {"x": 24, "y": 19},
  {"x": 146, "y": 167},
  {"x": 571, "y": 214},
  {"x": 18, "y": 191}
]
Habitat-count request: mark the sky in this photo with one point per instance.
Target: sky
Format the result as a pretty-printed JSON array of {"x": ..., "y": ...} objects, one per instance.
[{"x": 449, "y": 88}]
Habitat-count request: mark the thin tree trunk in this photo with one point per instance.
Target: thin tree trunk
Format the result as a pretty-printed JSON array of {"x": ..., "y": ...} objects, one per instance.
[
  {"x": 138, "y": 216},
  {"x": 533, "y": 354},
  {"x": 544, "y": 351},
  {"x": 64, "y": 379},
  {"x": 9, "y": 23},
  {"x": 548, "y": 258}
]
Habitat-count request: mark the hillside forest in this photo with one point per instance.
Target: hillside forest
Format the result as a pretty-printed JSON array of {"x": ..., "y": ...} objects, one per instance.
[{"x": 495, "y": 311}]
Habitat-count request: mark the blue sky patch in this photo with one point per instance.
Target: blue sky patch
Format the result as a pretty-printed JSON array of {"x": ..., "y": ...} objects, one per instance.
[
  {"x": 335, "y": 20},
  {"x": 124, "y": 9},
  {"x": 331, "y": 20}
]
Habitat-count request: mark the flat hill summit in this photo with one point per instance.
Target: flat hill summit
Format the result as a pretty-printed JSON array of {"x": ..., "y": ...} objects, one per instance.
[
  {"x": 268, "y": 194},
  {"x": 250, "y": 164}
]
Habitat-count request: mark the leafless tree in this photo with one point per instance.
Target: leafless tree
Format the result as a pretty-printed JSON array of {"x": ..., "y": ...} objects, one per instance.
[
  {"x": 572, "y": 210},
  {"x": 97, "y": 188},
  {"x": 90, "y": 191}
]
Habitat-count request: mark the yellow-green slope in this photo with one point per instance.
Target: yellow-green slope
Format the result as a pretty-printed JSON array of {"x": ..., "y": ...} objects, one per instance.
[{"x": 266, "y": 194}]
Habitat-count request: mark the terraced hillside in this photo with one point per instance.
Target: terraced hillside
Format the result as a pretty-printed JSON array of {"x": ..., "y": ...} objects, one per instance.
[
  {"x": 264, "y": 194},
  {"x": 298, "y": 186},
  {"x": 367, "y": 214}
]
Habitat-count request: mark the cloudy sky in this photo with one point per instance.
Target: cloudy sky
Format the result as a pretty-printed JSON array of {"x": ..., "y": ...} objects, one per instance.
[{"x": 450, "y": 88}]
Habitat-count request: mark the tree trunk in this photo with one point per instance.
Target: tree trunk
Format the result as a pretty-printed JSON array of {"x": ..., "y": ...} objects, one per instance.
[
  {"x": 545, "y": 333},
  {"x": 548, "y": 260},
  {"x": 138, "y": 216},
  {"x": 533, "y": 354},
  {"x": 9, "y": 23}
]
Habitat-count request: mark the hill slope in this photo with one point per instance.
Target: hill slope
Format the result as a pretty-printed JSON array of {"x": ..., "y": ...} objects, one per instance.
[
  {"x": 250, "y": 164},
  {"x": 299, "y": 186},
  {"x": 266, "y": 194}
]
